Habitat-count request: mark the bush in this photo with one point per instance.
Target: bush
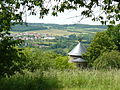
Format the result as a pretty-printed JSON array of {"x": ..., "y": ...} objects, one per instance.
[
  {"x": 44, "y": 60},
  {"x": 38, "y": 59},
  {"x": 61, "y": 63},
  {"x": 108, "y": 60}
]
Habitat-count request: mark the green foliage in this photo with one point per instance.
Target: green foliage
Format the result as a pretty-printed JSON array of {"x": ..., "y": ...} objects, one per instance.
[
  {"x": 114, "y": 33},
  {"x": 108, "y": 60},
  {"x": 61, "y": 63},
  {"x": 42, "y": 26},
  {"x": 10, "y": 14},
  {"x": 45, "y": 60},
  {"x": 8, "y": 10},
  {"x": 29, "y": 81},
  {"x": 63, "y": 80},
  {"x": 28, "y": 27},
  {"x": 11, "y": 57},
  {"x": 60, "y": 51},
  {"x": 102, "y": 42},
  {"x": 38, "y": 59},
  {"x": 111, "y": 8}
]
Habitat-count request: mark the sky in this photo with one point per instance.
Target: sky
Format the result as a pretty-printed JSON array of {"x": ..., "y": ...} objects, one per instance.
[{"x": 68, "y": 17}]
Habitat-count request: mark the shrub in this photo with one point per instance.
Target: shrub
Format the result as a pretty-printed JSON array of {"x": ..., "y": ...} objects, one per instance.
[
  {"x": 44, "y": 60},
  {"x": 108, "y": 60},
  {"x": 38, "y": 59},
  {"x": 61, "y": 63}
]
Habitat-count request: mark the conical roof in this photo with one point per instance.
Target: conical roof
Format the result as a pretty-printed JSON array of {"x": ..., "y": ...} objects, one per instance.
[{"x": 77, "y": 50}]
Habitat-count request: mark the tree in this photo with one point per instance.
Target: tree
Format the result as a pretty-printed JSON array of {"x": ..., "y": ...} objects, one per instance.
[
  {"x": 11, "y": 57},
  {"x": 114, "y": 32},
  {"x": 99, "y": 44},
  {"x": 111, "y": 9},
  {"x": 105, "y": 41},
  {"x": 108, "y": 60}
]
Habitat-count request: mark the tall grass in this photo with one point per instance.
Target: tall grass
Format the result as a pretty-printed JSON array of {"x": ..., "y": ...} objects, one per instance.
[{"x": 63, "y": 80}]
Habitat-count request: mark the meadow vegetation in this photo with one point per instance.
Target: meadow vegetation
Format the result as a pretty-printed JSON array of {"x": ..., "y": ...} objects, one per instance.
[{"x": 63, "y": 80}]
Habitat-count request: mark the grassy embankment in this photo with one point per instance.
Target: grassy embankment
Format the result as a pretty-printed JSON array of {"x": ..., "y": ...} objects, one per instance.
[{"x": 63, "y": 80}]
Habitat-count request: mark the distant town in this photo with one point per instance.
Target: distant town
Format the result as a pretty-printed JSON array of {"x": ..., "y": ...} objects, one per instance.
[{"x": 32, "y": 36}]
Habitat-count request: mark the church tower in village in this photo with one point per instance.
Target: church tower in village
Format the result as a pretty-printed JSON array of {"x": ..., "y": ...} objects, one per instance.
[{"x": 76, "y": 55}]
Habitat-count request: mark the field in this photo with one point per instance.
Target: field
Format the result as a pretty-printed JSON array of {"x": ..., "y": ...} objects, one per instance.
[
  {"x": 58, "y": 30},
  {"x": 55, "y": 32},
  {"x": 63, "y": 80},
  {"x": 65, "y": 36}
]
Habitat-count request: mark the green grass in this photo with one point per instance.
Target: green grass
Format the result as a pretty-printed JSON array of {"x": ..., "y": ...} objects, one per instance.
[{"x": 63, "y": 80}]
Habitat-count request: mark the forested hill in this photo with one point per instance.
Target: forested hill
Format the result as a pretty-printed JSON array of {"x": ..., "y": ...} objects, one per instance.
[{"x": 42, "y": 26}]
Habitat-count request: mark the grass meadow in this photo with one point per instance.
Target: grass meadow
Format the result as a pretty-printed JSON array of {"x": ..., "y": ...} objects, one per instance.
[{"x": 63, "y": 80}]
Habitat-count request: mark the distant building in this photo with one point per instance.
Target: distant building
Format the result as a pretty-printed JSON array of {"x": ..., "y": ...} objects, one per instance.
[
  {"x": 76, "y": 55},
  {"x": 50, "y": 38}
]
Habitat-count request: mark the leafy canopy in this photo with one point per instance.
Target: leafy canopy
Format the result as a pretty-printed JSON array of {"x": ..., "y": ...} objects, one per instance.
[
  {"x": 105, "y": 41},
  {"x": 108, "y": 60},
  {"x": 109, "y": 10}
]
